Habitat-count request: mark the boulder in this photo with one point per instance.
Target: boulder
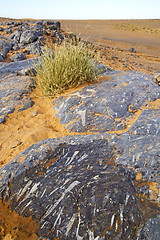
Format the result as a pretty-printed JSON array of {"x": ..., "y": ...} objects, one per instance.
[
  {"x": 15, "y": 67},
  {"x": 17, "y": 57},
  {"x": 108, "y": 106},
  {"x": 14, "y": 94},
  {"x": 5, "y": 45},
  {"x": 8, "y": 30},
  {"x": 16, "y": 35},
  {"x": 30, "y": 36},
  {"x": 34, "y": 48},
  {"x": 74, "y": 189},
  {"x": 2, "y": 57}
]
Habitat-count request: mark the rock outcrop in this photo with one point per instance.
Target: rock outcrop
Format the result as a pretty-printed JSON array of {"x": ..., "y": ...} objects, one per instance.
[
  {"x": 103, "y": 182},
  {"x": 30, "y": 35}
]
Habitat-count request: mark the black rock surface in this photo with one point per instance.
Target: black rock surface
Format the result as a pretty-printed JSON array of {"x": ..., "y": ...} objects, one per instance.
[
  {"x": 14, "y": 90},
  {"x": 109, "y": 105},
  {"x": 75, "y": 190}
]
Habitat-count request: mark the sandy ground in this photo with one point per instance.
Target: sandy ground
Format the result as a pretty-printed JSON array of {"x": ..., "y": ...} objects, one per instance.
[
  {"x": 144, "y": 35},
  {"x": 113, "y": 40}
]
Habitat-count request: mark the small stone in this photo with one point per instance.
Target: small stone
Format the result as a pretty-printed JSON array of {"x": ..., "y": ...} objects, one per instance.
[
  {"x": 34, "y": 113},
  {"x": 2, "y": 119},
  {"x": 132, "y": 50}
]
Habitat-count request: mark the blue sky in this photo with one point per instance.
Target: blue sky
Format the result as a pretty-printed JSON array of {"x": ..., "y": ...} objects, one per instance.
[{"x": 80, "y": 9}]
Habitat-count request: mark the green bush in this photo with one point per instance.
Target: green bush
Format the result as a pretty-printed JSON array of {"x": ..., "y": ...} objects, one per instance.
[{"x": 68, "y": 66}]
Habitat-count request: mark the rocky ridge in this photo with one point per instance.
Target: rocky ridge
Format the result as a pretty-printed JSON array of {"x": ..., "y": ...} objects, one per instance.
[{"x": 102, "y": 183}]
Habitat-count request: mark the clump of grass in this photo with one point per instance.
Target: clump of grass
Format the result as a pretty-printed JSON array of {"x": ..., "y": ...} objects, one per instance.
[{"x": 66, "y": 66}]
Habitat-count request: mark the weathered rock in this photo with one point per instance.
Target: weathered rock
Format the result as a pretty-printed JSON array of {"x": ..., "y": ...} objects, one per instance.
[
  {"x": 16, "y": 35},
  {"x": 17, "y": 57},
  {"x": 8, "y": 30},
  {"x": 15, "y": 67},
  {"x": 150, "y": 230},
  {"x": 109, "y": 105},
  {"x": 74, "y": 189},
  {"x": 1, "y": 29},
  {"x": 34, "y": 48},
  {"x": 14, "y": 90},
  {"x": 14, "y": 94},
  {"x": 29, "y": 36},
  {"x": 5, "y": 46},
  {"x": 1, "y": 57},
  {"x": 48, "y": 23}
]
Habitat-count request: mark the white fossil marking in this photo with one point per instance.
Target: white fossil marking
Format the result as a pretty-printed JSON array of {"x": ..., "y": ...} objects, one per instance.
[
  {"x": 79, "y": 222},
  {"x": 25, "y": 189},
  {"x": 43, "y": 193},
  {"x": 69, "y": 160},
  {"x": 91, "y": 234},
  {"x": 126, "y": 200},
  {"x": 34, "y": 188},
  {"x": 83, "y": 157},
  {"x": 83, "y": 116},
  {"x": 26, "y": 206},
  {"x": 121, "y": 207},
  {"x": 59, "y": 214},
  {"x": 70, "y": 224},
  {"x": 112, "y": 219},
  {"x": 52, "y": 207}
]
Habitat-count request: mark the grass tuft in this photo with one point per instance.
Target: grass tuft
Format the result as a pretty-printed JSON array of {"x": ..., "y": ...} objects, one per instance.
[{"x": 66, "y": 66}]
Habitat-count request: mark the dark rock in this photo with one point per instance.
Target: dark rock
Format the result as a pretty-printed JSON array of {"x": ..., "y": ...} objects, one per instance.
[
  {"x": 108, "y": 105},
  {"x": 54, "y": 33},
  {"x": 5, "y": 46},
  {"x": 15, "y": 67},
  {"x": 74, "y": 189},
  {"x": 132, "y": 50},
  {"x": 8, "y": 30},
  {"x": 34, "y": 48},
  {"x": 1, "y": 29},
  {"x": 39, "y": 23},
  {"x": 41, "y": 40},
  {"x": 2, "y": 119},
  {"x": 14, "y": 94},
  {"x": 53, "y": 27},
  {"x": 151, "y": 230},
  {"x": 17, "y": 57},
  {"x": 29, "y": 36},
  {"x": 48, "y": 23},
  {"x": 16, "y": 35},
  {"x": 28, "y": 72},
  {"x": 15, "y": 47},
  {"x": 58, "y": 25},
  {"x": 1, "y": 57}
]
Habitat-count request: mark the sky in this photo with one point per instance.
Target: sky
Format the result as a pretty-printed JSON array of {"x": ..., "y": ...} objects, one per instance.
[{"x": 80, "y": 9}]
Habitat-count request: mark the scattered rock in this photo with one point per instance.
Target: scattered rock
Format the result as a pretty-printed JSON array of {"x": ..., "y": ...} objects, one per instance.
[
  {"x": 2, "y": 119},
  {"x": 132, "y": 50},
  {"x": 17, "y": 57},
  {"x": 5, "y": 46},
  {"x": 16, "y": 35},
  {"x": 14, "y": 92},
  {"x": 34, "y": 48},
  {"x": 29, "y": 36}
]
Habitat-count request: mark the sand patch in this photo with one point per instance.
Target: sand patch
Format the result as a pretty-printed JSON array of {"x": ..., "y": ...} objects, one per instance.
[
  {"x": 22, "y": 129},
  {"x": 13, "y": 226}
]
